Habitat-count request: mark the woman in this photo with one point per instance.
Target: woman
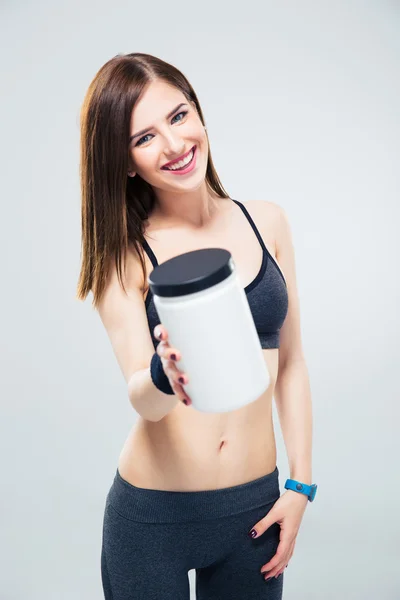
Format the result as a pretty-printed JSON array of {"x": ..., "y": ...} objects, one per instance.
[{"x": 191, "y": 488}]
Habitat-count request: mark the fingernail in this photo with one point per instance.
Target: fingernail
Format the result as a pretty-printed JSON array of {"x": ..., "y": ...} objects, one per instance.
[
  {"x": 253, "y": 533},
  {"x": 159, "y": 334},
  {"x": 173, "y": 357},
  {"x": 185, "y": 402},
  {"x": 267, "y": 578},
  {"x": 181, "y": 380}
]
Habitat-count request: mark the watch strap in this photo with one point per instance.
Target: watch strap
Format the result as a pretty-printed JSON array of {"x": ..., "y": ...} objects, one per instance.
[{"x": 302, "y": 488}]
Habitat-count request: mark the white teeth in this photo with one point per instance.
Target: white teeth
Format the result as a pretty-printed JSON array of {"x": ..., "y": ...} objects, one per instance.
[{"x": 181, "y": 163}]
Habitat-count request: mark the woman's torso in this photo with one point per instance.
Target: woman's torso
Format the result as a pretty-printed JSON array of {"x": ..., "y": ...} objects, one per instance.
[{"x": 189, "y": 450}]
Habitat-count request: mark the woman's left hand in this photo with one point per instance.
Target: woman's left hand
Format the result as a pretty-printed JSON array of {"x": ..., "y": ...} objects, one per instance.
[{"x": 288, "y": 511}]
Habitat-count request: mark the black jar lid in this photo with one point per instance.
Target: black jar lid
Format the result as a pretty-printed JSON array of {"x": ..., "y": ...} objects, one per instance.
[{"x": 191, "y": 272}]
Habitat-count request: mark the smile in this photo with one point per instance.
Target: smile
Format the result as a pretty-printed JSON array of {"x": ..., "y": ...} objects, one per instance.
[{"x": 185, "y": 165}]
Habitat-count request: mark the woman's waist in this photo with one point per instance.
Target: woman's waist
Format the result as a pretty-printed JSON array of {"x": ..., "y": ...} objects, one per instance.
[
  {"x": 200, "y": 451},
  {"x": 230, "y": 466}
]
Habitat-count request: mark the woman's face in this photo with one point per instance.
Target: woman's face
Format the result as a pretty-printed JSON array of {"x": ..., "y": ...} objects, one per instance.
[{"x": 167, "y": 138}]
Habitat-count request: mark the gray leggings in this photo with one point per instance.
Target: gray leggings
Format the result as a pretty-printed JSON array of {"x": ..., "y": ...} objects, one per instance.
[{"x": 152, "y": 538}]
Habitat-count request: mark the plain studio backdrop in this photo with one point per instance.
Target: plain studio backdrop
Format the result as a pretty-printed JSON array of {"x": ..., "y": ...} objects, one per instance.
[{"x": 301, "y": 101}]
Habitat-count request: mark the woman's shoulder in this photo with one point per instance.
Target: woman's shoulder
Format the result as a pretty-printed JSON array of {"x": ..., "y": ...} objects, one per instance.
[
  {"x": 133, "y": 268},
  {"x": 266, "y": 215},
  {"x": 264, "y": 207}
]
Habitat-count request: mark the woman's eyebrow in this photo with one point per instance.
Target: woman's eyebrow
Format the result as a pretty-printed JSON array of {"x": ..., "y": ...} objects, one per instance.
[{"x": 151, "y": 127}]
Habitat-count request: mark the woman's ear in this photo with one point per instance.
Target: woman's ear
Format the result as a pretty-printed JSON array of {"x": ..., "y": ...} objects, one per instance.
[{"x": 131, "y": 171}]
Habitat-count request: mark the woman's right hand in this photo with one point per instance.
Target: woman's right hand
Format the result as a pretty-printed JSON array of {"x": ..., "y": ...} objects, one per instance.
[{"x": 169, "y": 356}]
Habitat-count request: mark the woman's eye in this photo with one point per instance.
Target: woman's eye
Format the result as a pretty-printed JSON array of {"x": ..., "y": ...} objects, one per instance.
[
  {"x": 184, "y": 113},
  {"x": 139, "y": 143}
]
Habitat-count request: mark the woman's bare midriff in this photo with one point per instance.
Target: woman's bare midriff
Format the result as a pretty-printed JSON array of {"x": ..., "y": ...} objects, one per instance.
[{"x": 189, "y": 450}]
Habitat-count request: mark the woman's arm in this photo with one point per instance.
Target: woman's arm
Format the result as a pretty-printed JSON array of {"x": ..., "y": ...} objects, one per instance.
[
  {"x": 293, "y": 403},
  {"x": 292, "y": 390}
]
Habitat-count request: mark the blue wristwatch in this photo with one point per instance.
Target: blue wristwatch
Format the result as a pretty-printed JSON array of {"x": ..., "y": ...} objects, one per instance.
[{"x": 302, "y": 488}]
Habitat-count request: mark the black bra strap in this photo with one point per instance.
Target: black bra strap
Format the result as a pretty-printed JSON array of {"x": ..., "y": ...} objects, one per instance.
[
  {"x": 150, "y": 253},
  {"x": 250, "y": 220},
  {"x": 261, "y": 240}
]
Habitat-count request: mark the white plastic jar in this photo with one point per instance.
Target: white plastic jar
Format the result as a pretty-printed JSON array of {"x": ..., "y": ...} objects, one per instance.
[{"x": 201, "y": 302}]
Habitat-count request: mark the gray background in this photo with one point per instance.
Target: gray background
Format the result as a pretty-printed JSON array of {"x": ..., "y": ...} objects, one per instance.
[{"x": 301, "y": 101}]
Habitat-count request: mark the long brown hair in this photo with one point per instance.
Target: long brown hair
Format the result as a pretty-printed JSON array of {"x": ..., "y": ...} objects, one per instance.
[{"x": 114, "y": 206}]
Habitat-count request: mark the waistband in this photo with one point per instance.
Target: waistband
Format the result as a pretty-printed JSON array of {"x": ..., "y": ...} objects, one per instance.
[{"x": 160, "y": 506}]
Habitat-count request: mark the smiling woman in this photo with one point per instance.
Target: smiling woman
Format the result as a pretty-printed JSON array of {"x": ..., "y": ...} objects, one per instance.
[
  {"x": 189, "y": 485},
  {"x": 174, "y": 143}
]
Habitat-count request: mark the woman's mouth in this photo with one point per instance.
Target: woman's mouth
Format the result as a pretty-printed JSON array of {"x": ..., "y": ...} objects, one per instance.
[{"x": 184, "y": 166}]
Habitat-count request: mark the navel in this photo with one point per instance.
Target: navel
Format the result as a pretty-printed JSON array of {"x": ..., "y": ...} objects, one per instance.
[{"x": 222, "y": 444}]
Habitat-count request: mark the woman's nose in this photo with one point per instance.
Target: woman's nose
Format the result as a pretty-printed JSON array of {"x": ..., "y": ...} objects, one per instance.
[{"x": 174, "y": 145}]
